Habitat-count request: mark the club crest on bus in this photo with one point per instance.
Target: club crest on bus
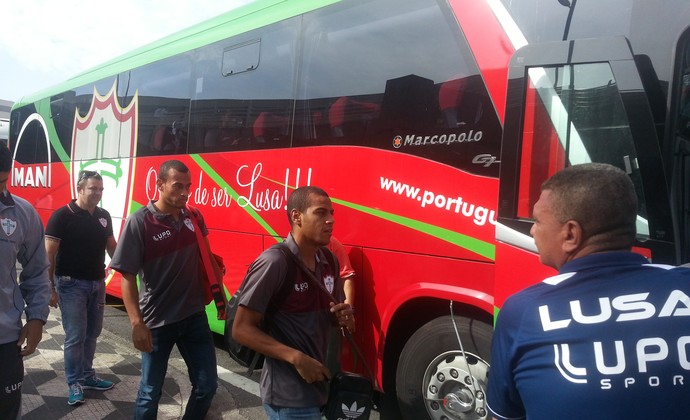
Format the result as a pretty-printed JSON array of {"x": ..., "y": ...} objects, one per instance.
[{"x": 101, "y": 141}]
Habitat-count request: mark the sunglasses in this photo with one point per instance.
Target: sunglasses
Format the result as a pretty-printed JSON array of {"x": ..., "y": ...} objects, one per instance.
[{"x": 83, "y": 175}]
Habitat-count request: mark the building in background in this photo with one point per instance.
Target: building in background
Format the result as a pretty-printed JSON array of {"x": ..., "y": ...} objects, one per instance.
[{"x": 5, "y": 107}]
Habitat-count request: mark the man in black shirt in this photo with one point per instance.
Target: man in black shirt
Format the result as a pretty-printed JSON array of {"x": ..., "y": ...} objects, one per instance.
[{"x": 77, "y": 237}]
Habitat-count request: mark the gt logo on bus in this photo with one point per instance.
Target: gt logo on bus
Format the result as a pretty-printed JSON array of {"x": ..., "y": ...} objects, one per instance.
[{"x": 485, "y": 159}]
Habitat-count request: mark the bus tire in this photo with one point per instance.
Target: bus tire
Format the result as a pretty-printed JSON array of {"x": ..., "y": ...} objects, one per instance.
[{"x": 432, "y": 361}]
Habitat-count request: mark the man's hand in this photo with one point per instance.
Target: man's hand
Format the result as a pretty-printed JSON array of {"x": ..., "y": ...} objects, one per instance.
[
  {"x": 31, "y": 332},
  {"x": 141, "y": 337},
  {"x": 54, "y": 298},
  {"x": 310, "y": 369},
  {"x": 344, "y": 314}
]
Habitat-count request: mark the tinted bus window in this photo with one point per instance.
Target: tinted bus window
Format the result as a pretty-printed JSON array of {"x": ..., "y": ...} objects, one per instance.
[
  {"x": 395, "y": 75},
  {"x": 683, "y": 106},
  {"x": 544, "y": 21},
  {"x": 235, "y": 110},
  {"x": 574, "y": 115},
  {"x": 33, "y": 146},
  {"x": 83, "y": 95},
  {"x": 164, "y": 90},
  {"x": 241, "y": 58},
  {"x": 62, "y": 108}
]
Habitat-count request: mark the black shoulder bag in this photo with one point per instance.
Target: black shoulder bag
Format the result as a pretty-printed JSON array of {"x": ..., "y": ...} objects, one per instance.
[{"x": 244, "y": 355}]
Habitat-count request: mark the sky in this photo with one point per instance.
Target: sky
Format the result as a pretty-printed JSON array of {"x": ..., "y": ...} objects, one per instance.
[{"x": 44, "y": 42}]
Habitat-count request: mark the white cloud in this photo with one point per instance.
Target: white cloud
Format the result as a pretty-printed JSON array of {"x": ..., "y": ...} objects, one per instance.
[{"x": 46, "y": 41}]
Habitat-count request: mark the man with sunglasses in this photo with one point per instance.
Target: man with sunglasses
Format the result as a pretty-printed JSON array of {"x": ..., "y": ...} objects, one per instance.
[{"x": 77, "y": 236}]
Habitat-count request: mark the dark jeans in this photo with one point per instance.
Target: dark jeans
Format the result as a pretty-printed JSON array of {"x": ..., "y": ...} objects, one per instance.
[
  {"x": 11, "y": 378},
  {"x": 195, "y": 343},
  {"x": 82, "y": 304},
  {"x": 288, "y": 413}
]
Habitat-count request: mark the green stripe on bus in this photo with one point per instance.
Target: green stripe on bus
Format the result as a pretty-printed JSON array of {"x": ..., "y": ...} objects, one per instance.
[
  {"x": 477, "y": 246},
  {"x": 208, "y": 170}
]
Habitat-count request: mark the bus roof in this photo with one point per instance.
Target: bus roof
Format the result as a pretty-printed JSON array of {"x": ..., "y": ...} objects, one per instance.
[{"x": 245, "y": 18}]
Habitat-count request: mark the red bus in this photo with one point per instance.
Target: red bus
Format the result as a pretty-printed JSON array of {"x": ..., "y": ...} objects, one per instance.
[{"x": 431, "y": 124}]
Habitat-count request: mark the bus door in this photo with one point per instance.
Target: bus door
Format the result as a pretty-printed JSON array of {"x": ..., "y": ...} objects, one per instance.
[
  {"x": 678, "y": 154},
  {"x": 569, "y": 103}
]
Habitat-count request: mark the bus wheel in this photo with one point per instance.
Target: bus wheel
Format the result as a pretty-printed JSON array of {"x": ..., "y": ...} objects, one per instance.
[{"x": 435, "y": 380}]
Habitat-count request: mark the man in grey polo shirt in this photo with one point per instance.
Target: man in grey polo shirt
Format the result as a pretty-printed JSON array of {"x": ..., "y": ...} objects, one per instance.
[
  {"x": 158, "y": 242},
  {"x": 294, "y": 379}
]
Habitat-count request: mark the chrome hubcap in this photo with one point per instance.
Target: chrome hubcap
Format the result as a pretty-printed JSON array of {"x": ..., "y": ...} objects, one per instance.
[{"x": 451, "y": 391}]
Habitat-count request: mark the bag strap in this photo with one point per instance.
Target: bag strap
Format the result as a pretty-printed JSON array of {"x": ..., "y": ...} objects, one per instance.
[
  {"x": 213, "y": 274},
  {"x": 314, "y": 280},
  {"x": 278, "y": 299},
  {"x": 286, "y": 286}
]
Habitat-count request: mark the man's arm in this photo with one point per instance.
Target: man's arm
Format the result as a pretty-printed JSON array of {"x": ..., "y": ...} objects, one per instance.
[
  {"x": 33, "y": 283},
  {"x": 349, "y": 289},
  {"x": 246, "y": 331},
  {"x": 52, "y": 246},
  {"x": 141, "y": 335},
  {"x": 110, "y": 245}
]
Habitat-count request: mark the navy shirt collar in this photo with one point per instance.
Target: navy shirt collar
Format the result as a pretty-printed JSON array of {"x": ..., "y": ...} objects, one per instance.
[{"x": 604, "y": 259}]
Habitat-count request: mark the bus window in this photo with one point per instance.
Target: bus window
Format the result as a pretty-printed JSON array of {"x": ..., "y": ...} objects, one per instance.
[
  {"x": 396, "y": 75},
  {"x": 683, "y": 107},
  {"x": 243, "y": 96},
  {"x": 62, "y": 110},
  {"x": 33, "y": 147},
  {"x": 164, "y": 89},
  {"x": 545, "y": 21},
  {"x": 681, "y": 149},
  {"x": 239, "y": 59},
  {"x": 574, "y": 114}
]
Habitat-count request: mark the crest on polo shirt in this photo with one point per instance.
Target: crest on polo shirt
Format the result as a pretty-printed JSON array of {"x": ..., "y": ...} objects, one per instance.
[
  {"x": 104, "y": 222},
  {"x": 189, "y": 224},
  {"x": 8, "y": 226},
  {"x": 329, "y": 282}
]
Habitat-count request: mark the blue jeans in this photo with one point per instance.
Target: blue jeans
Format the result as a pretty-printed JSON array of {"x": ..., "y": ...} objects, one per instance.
[
  {"x": 195, "y": 343},
  {"x": 82, "y": 303},
  {"x": 289, "y": 413}
]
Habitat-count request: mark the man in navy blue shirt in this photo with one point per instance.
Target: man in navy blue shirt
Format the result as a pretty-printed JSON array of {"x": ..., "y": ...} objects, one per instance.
[
  {"x": 609, "y": 336},
  {"x": 77, "y": 237}
]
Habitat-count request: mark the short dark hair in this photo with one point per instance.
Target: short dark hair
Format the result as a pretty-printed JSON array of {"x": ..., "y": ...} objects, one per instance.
[
  {"x": 84, "y": 176},
  {"x": 171, "y": 164},
  {"x": 600, "y": 197},
  {"x": 299, "y": 199},
  {"x": 5, "y": 159}
]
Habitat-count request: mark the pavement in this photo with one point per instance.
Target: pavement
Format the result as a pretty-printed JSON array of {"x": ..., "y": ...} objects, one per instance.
[{"x": 44, "y": 392}]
